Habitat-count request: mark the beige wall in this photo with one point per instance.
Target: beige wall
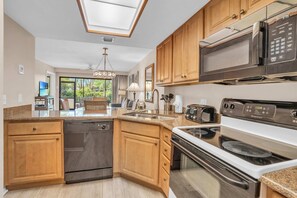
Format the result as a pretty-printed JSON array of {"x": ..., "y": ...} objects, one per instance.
[
  {"x": 41, "y": 71},
  {"x": 1, "y": 102},
  {"x": 19, "y": 48},
  {"x": 148, "y": 60},
  {"x": 215, "y": 93}
]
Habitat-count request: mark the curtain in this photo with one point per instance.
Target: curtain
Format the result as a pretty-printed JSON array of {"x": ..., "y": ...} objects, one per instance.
[{"x": 119, "y": 84}]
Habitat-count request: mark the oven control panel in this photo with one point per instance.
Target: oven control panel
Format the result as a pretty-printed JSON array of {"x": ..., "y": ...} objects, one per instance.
[
  {"x": 281, "y": 43},
  {"x": 280, "y": 113},
  {"x": 259, "y": 110}
]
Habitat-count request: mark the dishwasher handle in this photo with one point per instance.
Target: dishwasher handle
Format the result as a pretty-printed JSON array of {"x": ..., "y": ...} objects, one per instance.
[{"x": 241, "y": 184}]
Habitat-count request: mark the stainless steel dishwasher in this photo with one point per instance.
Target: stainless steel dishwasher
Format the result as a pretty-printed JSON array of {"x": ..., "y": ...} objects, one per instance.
[{"x": 88, "y": 150}]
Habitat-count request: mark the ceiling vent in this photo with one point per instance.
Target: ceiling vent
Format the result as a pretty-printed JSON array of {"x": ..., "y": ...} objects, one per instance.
[{"x": 108, "y": 39}]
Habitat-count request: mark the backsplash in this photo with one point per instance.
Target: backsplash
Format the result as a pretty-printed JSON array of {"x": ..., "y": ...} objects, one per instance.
[{"x": 212, "y": 94}]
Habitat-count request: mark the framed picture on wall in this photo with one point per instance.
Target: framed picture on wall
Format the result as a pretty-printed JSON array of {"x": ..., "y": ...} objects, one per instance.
[
  {"x": 130, "y": 79},
  {"x": 136, "y": 78}
]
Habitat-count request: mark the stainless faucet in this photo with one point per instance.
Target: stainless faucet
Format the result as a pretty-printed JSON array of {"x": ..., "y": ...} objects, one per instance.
[{"x": 158, "y": 98}]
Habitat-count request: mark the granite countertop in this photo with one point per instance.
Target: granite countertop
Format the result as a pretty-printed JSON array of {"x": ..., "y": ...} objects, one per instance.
[
  {"x": 283, "y": 181},
  {"x": 110, "y": 113}
]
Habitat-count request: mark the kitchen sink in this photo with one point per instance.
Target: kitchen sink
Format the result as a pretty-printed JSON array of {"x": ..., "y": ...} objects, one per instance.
[{"x": 151, "y": 116}]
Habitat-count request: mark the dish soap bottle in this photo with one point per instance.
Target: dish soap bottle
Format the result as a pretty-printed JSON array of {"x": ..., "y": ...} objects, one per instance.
[{"x": 178, "y": 103}]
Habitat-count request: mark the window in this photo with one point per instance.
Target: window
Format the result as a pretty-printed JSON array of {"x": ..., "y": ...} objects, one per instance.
[{"x": 77, "y": 89}]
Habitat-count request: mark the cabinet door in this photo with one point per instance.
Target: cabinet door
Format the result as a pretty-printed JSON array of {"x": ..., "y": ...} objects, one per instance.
[
  {"x": 140, "y": 157},
  {"x": 219, "y": 14},
  {"x": 160, "y": 63},
  {"x": 194, "y": 33},
  {"x": 250, "y": 6},
  {"x": 179, "y": 59},
  {"x": 34, "y": 158},
  {"x": 167, "y": 69},
  {"x": 273, "y": 194}
]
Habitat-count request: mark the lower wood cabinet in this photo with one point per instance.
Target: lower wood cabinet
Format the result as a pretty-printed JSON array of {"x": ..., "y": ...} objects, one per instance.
[
  {"x": 35, "y": 156},
  {"x": 165, "y": 158},
  {"x": 140, "y": 157},
  {"x": 273, "y": 194}
]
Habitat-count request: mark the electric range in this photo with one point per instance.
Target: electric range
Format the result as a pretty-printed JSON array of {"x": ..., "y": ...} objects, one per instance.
[{"x": 254, "y": 137}]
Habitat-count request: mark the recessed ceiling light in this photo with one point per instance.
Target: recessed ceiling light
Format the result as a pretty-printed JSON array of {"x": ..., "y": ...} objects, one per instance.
[{"x": 111, "y": 17}]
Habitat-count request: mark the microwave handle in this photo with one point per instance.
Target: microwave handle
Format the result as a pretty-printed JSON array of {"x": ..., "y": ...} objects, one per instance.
[{"x": 259, "y": 29}]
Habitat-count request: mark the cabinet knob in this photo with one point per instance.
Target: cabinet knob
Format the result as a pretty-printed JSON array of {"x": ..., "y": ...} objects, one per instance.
[
  {"x": 234, "y": 16},
  {"x": 165, "y": 179},
  {"x": 166, "y": 136},
  {"x": 165, "y": 164},
  {"x": 156, "y": 144},
  {"x": 34, "y": 129},
  {"x": 165, "y": 150},
  {"x": 242, "y": 11}
]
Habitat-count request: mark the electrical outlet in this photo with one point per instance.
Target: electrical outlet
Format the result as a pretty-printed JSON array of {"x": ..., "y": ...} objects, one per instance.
[
  {"x": 203, "y": 101},
  {"x": 20, "y": 98},
  {"x": 4, "y": 99}
]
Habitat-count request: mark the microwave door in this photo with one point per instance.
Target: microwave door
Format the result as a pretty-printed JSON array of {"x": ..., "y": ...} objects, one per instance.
[{"x": 233, "y": 59}]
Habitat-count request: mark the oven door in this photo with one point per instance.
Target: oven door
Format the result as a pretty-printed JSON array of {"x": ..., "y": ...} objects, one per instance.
[
  {"x": 239, "y": 58},
  {"x": 194, "y": 173}
]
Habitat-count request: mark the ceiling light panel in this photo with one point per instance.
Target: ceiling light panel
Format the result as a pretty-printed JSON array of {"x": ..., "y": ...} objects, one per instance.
[{"x": 111, "y": 17}]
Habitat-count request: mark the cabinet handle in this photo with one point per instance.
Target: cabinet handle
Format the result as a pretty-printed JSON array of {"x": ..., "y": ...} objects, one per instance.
[
  {"x": 165, "y": 150},
  {"x": 34, "y": 129},
  {"x": 242, "y": 11},
  {"x": 166, "y": 136},
  {"x": 234, "y": 16}
]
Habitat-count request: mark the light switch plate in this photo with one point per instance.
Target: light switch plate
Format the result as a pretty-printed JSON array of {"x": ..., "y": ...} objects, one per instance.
[
  {"x": 203, "y": 101},
  {"x": 21, "y": 69},
  {"x": 20, "y": 98}
]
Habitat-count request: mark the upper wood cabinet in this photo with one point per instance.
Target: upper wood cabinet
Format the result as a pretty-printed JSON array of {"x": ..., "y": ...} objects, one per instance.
[
  {"x": 222, "y": 13},
  {"x": 219, "y": 14},
  {"x": 250, "y": 6},
  {"x": 186, "y": 49},
  {"x": 164, "y": 62}
]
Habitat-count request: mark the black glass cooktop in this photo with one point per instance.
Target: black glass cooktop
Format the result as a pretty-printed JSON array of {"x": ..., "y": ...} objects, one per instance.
[{"x": 224, "y": 140}]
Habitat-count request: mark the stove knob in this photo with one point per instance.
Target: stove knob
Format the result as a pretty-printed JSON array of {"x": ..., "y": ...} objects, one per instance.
[
  {"x": 294, "y": 114},
  {"x": 187, "y": 116},
  {"x": 232, "y": 106},
  {"x": 194, "y": 117},
  {"x": 226, "y": 106}
]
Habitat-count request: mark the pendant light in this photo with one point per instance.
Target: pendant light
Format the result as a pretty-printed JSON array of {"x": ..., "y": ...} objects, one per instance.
[{"x": 105, "y": 74}]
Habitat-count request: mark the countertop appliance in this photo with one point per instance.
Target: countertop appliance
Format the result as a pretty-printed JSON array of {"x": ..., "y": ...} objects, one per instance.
[
  {"x": 200, "y": 113},
  {"x": 88, "y": 150},
  {"x": 263, "y": 52},
  {"x": 226, "y": 160}
]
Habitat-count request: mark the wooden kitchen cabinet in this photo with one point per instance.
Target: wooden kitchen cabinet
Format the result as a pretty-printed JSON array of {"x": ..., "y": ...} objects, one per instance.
[
  {"x": 222, "y": 13},
  {"x": 164, "y": 62},
  {"x": 186, "y": 49},
  {"x": 250, "y": 6},
  {"x": 140, "y": 157},
  {"x": 273, "y": 194},
  {"x": 33, "y": 153},
  {"x": 165, "y": 157}
]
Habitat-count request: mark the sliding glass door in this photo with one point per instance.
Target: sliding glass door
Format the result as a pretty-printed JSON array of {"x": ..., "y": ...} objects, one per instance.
[{"x": 79, "y": 89}]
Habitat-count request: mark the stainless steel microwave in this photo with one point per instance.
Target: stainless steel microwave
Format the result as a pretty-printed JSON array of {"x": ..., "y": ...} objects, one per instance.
[{"x": 265, "y": 51}]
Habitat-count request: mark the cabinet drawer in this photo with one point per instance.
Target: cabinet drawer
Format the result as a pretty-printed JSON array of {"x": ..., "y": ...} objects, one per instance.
[
  {"x": 166, "y": 150},
  {"x": 164, "y": 177},
  {"x": 166, "y": 136},
  {"x": 141, "y": 129},
  {"x": 165, "y": 163},
  {"x": 30, "y": 128}
]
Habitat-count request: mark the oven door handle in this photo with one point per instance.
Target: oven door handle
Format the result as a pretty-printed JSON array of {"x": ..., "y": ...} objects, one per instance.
[{"x": 241, "y": 184}]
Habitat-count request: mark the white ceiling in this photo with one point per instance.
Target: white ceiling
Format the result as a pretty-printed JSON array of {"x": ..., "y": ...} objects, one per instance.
[
  {"x": 60, "y": 22},
  {"x": 80, "y": 55}
]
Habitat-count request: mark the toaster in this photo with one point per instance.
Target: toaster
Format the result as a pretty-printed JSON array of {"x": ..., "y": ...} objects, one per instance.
[{"x": 201, "y": 113}]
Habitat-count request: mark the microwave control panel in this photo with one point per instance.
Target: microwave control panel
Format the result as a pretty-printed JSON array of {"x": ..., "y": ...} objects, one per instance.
[{"x": 281, "y": 40}]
